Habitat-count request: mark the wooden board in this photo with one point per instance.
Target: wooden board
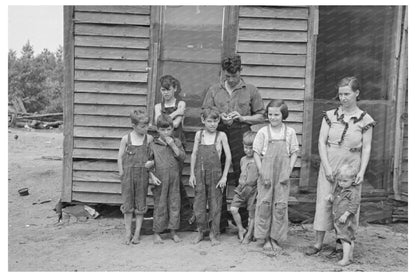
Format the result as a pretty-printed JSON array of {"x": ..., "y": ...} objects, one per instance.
[
  {"x": 114, "y": 31},
  {"x": 271, "y": 47},
  {"x": 111, "y": 18},
  {"x": 115, "y": 9},
  {"x": 90, "y": 197},
  {"x": 100, "y": 143},
  {"x": 110, "y": 76},
  {"x": 98, "y": 165},
  {"x": 100, "y": 132},
  {"x": 274, "y": 12},
  {"x": 273, "y": 24},
  {"x": 97, "y": 187},
  {"x": 287, "y": 94},
  {"x": 270, "y": 82},
  {"x": 109, "y": 110},
  {"x": 111, "y": 65},
  {"x": 104, "y": 121},
  {"x": 111, "y": 53},
  {"x": 96, "y": 176},
  {"x": 273, "y": 59},
  {"x": 111, "y": 42},
  {"x": 108, "y": 87},
  {"x": 105, "y": 154},
  {"x": 278, "y": 36},
  {"x": 273, "y": 71},
  {"x": 111, "y": 99}
]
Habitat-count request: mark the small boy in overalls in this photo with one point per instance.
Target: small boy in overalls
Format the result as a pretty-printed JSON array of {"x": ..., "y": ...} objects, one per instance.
[
  {"x": 133, "y": 168},
  {"x": 275, "y": 151},
  {"x": 206, "y": 176},
  {"x": 167, "y": 153},
  {"x": 246, "y": 191},
  {"x": 345, "y": 205}
]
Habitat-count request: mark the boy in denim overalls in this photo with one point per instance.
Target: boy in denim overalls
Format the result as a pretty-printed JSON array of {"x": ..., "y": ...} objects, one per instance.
[
  {"x": 206, "y": 176},
  {"x": 167, "y": 153},
  {"x": 133, "y": 168}
]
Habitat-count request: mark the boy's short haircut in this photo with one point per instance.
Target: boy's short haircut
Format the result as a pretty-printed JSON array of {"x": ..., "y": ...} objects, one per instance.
[
  {"x": 248, "y": 138},
  {"x": 346, "y": 170},
  {"x": 278, "y": 103},
  {"x": 164, "y": 121},
  {"x": 210, "y": 112},
  {"x": 139, "y": 116},
  {"x": 231, "y": 64}
]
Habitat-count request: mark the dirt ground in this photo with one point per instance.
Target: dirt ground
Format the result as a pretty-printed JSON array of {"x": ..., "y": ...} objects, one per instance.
[{"x": 36, "y": 243}]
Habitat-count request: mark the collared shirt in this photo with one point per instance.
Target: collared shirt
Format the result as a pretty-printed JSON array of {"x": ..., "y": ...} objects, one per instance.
[
  {"x": 249, "y": 173},
  {"x": 346, "y": 199},
  {"x": 245, "y": 99}
]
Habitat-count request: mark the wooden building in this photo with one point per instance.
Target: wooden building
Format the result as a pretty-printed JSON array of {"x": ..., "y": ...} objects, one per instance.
[{"x": 114, "y": 56}]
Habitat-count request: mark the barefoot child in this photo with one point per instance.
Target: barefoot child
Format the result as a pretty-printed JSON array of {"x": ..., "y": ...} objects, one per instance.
[
  {"x": 167, "y": 153},
  {"x": 206, "y": 176},
  {"x": 275, "y": 151},
  {"x": 246, "y": 191},
  {"x": 346, "y": 203},
  {"x": 133, "y": 167}
]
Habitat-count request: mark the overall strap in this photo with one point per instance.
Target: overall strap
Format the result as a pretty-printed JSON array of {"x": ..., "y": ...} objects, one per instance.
[
  {"x": 201, "y": 132},
  {"x": 162, "y": 106},
  {"x": 145, "y": 140},
  {"x": 128, "y": 139},
  {"x": 284, "y": 135},
  {"x": 269, "y": 133},
  {"x": 216, "y": 136}
]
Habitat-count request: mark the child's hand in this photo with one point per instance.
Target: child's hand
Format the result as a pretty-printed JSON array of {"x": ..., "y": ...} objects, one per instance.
[
  {"x": 221, "y": 184},
  {"x": 329, "y": 198},
  {"x": 226, "y": 119},
  {"x": 169, "y": 140},
  {"x": 192, "y": 180},
  {"x": 155, "y": 180},
  {"x": 149, "y": 164},
  {"x": 344, "y": 217}
]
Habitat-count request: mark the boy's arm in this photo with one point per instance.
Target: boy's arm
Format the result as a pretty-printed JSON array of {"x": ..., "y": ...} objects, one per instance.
[
  {"x": 252, "y": 174},
  {"x": 158, "y": 108},
  {"x": 177, "y": 148},
  {"x": 120, "y": 155},
  {"x": 227, "y": 152},
  {"x": 180, "y": 111},
  {"x": 193, "y": 160}
]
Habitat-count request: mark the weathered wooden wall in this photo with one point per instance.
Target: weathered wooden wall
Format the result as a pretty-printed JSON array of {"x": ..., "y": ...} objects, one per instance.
[
  {"x": 111, "y": 57},
  {"x": 272, "y": 42}
]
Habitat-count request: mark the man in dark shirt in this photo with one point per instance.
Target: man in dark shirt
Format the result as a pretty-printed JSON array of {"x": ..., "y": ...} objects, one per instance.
[{"x": 241, "y": 106}]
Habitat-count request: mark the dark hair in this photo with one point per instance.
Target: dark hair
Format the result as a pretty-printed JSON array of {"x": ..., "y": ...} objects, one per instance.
[
  {"x": 164, "y": 121},
  {"x": 231, "y": 64},
  {"x": 210, "y": 112},
  {"x": 352, "y": 82},
  {"x": 248, "y": 138},
  {"x": 168, "y": 81},
  {"x": 278, "y": 103},
  {"x": 139, "y": 115}
]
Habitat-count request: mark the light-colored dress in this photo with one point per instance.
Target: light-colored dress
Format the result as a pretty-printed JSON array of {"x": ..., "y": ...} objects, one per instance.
[{"x": 344, "y": 144}]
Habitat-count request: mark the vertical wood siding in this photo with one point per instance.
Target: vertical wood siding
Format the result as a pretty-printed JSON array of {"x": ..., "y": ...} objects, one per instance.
[
  {"x": 111, "y": 53},
  {"x": 272, "y": 42}
]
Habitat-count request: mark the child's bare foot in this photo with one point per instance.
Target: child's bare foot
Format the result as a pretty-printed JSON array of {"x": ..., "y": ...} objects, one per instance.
[
  {"x": 198, "y": 238},
  {"x": 276, "y": 247},
  {"x": 175, "y": 237},
  {"x": 267, "y": 246},
  {"x": 157, "y": 239},
  {"x": 214, "y": 240},
  {"x": 241, "y": 234},
  {"x": 135, "y": 239},
  {"x": 127, "y": 239},
  {"x": 344, "y": 262}
]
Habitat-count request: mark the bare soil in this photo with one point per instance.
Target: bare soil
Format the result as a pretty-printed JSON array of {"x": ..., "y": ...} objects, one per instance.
[{"x": 37, "y": 243}]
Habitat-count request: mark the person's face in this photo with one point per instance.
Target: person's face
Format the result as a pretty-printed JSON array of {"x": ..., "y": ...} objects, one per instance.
[
  {"x": 167, "y": 94},
  {"x": 140, "y": 128},
  {"x": 345, "y": 181},
  {"x": 248, "y": 150},
  {"x": 347, "y": 96},
  {"x": 165, "y": 132},
  {"x": 275, "y": 116},
  {"x": 232, "y": 79},
  {"x": 210, "y": 124}
]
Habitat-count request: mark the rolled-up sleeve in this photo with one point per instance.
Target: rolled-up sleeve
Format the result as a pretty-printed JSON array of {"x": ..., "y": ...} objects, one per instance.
[
  {"x": 257, "y": 105},
  {"x": 209, "y": 99},
  {"x": 258, "y": 143},
  {"x": 294, "y": 145}
]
